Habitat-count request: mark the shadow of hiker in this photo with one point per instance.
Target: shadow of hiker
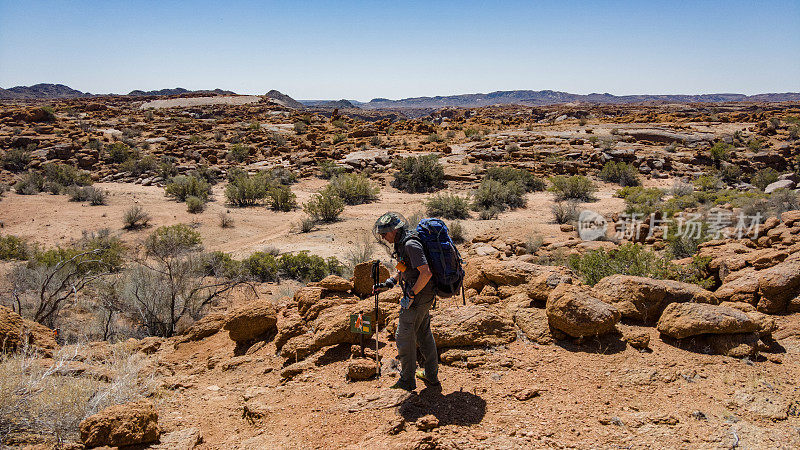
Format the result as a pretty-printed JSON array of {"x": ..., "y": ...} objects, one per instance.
[{"x": 455, "y": 408}]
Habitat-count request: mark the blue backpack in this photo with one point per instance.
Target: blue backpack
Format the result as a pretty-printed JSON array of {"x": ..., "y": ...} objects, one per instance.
[{"x": 443, "y": 256}]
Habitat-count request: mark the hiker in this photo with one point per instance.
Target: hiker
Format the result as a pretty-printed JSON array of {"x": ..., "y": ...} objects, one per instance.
[{"x": 415, "y": 278}]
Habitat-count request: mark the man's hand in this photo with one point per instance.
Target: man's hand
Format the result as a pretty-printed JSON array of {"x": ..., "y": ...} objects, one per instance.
[{"x": 388, "y": 284}]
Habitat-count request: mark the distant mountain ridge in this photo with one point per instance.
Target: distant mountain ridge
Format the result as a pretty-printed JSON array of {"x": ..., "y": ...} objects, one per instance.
[
  {"x": 178, "y": 91},
  {"x": 41, "y": 90},
  {"x": 542, "y": 98}
]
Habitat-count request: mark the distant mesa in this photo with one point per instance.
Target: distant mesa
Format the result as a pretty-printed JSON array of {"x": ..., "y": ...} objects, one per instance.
[
  {"x": 178, "y": 91},
  {"x": 283, "y": 99},
  {"x": 42, "y": 91}
]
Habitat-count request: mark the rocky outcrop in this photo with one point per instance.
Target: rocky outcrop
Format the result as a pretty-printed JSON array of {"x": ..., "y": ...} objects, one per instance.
[
  {"x": 682, "y": 320},
  {"x": 251, "y": 321},
  {"x": 120, "y": 425},
  {"x": 577, "y": 311},
  {"x": 471, "y": 325},
  {"x": 362, "y": 278},
  {"x": 335, "y": 283},
  {"x": 643, "y": 299},
  {"x": 533, "y": 322},
  {"x": 16, "y": 332},
  {"x": 205, "y": 327},
  {"x": 777, "y": 285}
]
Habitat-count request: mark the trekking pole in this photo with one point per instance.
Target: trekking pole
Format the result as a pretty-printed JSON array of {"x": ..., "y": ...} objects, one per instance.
[{"x": 376, "y": 275}]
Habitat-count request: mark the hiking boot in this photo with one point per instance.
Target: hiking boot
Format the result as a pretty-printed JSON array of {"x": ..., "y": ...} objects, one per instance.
[
  {"x": 404, "y": 386},
  {"x": 421, "y": 375}
]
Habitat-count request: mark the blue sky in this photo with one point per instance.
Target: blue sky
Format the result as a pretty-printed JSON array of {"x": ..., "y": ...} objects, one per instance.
[{"x": 361, "y": 50}]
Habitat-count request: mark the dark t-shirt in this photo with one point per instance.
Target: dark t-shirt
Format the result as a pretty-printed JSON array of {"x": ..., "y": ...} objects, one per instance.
[{"x": 414, "y": 256}]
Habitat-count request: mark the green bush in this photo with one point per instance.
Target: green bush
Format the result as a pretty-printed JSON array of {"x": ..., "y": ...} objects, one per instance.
[
  {"x": 419, "y": 174},
  {"x": 434, "y": 137},
  {"x": 576, "y": 187},
  {"x": 324, "y": 207},
  {"x": 282, "y": 199},
  {"x": 246, "y": 190},
  {"x": 489, "y": 213},
  {"x": 457, "y": 232},
  {"x": 493, "y": 194},
  {"x": 627, "y": 259},
  {"x": 30, "y": 184},
  {"x": 300, "y": 127},
  {"x": 565, "y": 212},
  {"x": 119, "y": 153},
  {"x": 782, "y": 200},
  {"x": 448, "y": 206},
  {"x": 306, "y": 224},
  {"x": 730, "y": 173},
  {"x": 262, "y": 266},
  {"x": 708, "y": 183},
  {"x": 354, "y": 189},
  {"x": 140, "y": 166},
  {"x": 642, "y": 201},
  {"x": 12, "y": 247},
  {"x": 764, "y": 178},
  {"x": 621, "y": 173},
  {"x": 205, "y": 173},
  {"x": 94, "y": 252},
  {"x": 135, "y": 217},
  {"x": 525, "y": 178},
  {"x": 221, "y": 264},
  {"x": 238, "y": 153},
  {"x": 329, "y": 169},
  {"x": 16, "y": 160},
  {"x": 87, "y": 194},
  {"x": 168, "y": 241},
  {"x": 720, "y": 152},
  {"x": 195, "y": 205},
  {"x": 66, "y": 175},
  {"x": 303, "y": 266},
  {"x": 182, "y": 187},
  {"x": 53, "y": 187}
]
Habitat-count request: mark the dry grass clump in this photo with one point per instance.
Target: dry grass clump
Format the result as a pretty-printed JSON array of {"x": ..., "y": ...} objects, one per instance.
[{"x": 40, "y": 396}]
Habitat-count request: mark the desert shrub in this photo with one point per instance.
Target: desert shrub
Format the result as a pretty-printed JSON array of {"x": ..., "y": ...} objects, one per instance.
[
  {"x": 306, "y": 224},
  {"x": 755, "y": 144},
  {"x": 354, "y": 189},
  {"x": 247, "y": 190},
  {"x": 30, "y": 184},
  {"x": 195, "y": 205},
  {"x": 167, "y": 168},
  {"x": 238, "y": 153},
  {"x": 172, "y": 240},
  {"x": 730, "y": 173},
  {"x": 304, "y": 266},
  {"x": 16, "y": 160},
  {"x": 35, "y": 396},
  {"x": 300, "y": 127},
  {"x": 621, "y": 173},
  {"x": 280, "y": 175},
  {"x": 576, "y": 187},
  {"x": 376, "y": 141},
  {"x": 764, "y": 178},
  {"x": 225, "y": 220},
  {"x": 627, "y": 259},
  {"x": 526, "y": 179},
  {"x": 448, "y": 206},
  {"x": 457, "y": 232},
  {"x": 565, "y": 212},
  {"x": 329, "y": 169},
  {"x": 470, "y": 132},
  {"x": 339, "y": 123},
  {"x": 434, "y": 137},
  {"x": 12, "y": 247},
  {"x": 66, "y": 175},
  {"x": 361, "y": 250},
  {"x": 282, "y": 198},
  {"x": 204, "y": 172},
  {"x": 489, "y": 213},
  {"x": 53, "y": 187},
  {"x": 139, "y": 166},
  {"x": 533, "y": 243},
  {"x": 118, "y": 153},
  {"x": 720, "y": 152},
  {"x": 135, "y": 217},
  {"x": 679, "y": 189},
  {"x": 493, "y": 194},
  {"x": 419, "y": 174},
  {"x": 324, "y": 207},
  {"x": 262, "y": 266},
  {"x": 339, "y": 137},
  {"x": 641, "y": 201},
  {"x": 221, "y": 264},
  {"x": 89, "y": 194},
  {"x": 182, "y": 187},
  {"x": 782, "y": 200}
]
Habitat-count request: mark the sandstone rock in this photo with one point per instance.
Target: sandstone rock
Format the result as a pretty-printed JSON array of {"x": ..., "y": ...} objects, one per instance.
[
  {"x": 471, "y": 325},
  {"x": 306, "y": 297},
  {"x": 361, "y": 369},
  {"x": 15, "y": 332},
  {"x": 473, "y": 275},
  {"x": 251, "y": 321},
  {"x": 129, "y": 424},
  {"x": 643, "y": 299},
  {"x": 185, "y": 439},
  {"x": 427, "y": 422},
  {"x": 540, "y": 286},
  {"x": 207, "y": 326},
  {"x": 638, "y": 339},
  {"x": 511, "y": 272},
  {"x": 289, "y": 324},
  {"x": 780, "y": 184},
  {"x": 777, "y": 285},
  {"x": 533, "y": 322},
  {"x": 740, "y": 289},
  {"x": 576, "y": 311},
  {"x": 791, "y": 218},
  {"x": 362, "y": 278},
  {"x": 681, "y": 320},
  {"x": 335, "y": 283}
]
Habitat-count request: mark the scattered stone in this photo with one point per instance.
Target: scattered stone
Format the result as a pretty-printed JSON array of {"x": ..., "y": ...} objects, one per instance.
[
  {"x": 526, "y": 394},
  {"x": 576, "y": 311},
  {"x": 361, "y": 369},
  {"x": 427, "y": 422},
  {"x": 128, "y": 424}
]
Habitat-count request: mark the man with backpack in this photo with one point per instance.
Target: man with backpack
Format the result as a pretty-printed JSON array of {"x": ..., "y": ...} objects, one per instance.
[{"x": 416, "y": 279}]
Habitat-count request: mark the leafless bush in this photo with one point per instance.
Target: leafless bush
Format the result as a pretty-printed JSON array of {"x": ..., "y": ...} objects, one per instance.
[
  {"x": 361, "y": 250},
  {"x": 136, "y": 217},
  {"x": 39, "y": 396}
]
